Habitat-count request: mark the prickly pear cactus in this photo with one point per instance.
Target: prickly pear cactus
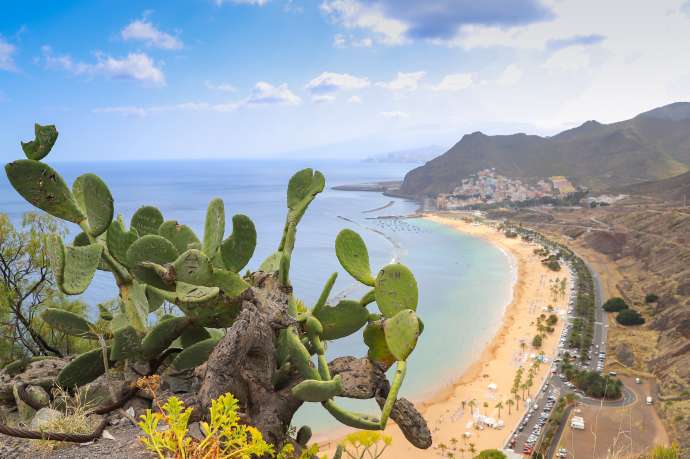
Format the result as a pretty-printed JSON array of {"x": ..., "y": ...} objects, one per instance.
[{"x": 157, "y": 260}]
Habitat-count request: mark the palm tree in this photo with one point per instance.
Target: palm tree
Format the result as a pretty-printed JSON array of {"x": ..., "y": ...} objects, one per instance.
[
  {"x": 464, "y": 403},
  {"x": 462, "y": 451},
  {"x": 473, "y": 449},
  {"x": 472, "y": 403},
  {"x": 517, "y": 401},
  {"x": 510, "y": 402},
  {"x": 486, "y": 407},
  {"x": 499, "y": 406}
]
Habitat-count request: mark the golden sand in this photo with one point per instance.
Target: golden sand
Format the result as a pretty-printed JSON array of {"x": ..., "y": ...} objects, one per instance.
[{"x": 497, "y": 364}]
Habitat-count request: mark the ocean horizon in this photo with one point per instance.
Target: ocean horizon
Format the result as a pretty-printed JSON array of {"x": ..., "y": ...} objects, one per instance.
[{"x": 465, "y": 282}]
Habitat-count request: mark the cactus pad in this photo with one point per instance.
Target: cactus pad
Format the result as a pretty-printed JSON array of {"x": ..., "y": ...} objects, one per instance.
[
  {"x": 95, "y": 200},
  {"x": 118, "y": 240},
  {"x": 68, "y": 322},
  {"x": 195, "y": 355},
  {"x": 56, "y": 256},
  {"x": 180, "y": 235},
  {"x": 193, "y": 267},
  {"x": 82, "y": 370},
  {"x": 396, "y": 290},
  {"x": 214, "y": 227},
  {"x": 162, "y": 335},
  {"x": 126, "y": 344},
  {"x": 45, "y": 137},
  {"x": 354, "y": 256},
  {"x": 154, "y": 249},
  {"x": 239, "y": 247},
  {"x": 147, "y": 220},
  {"x": 230, "y": 283},
  {"x": 81, "y": 264},
  {"x": 342, "y": 320},
  {"x": 272, "y": 263},
  {"x": 193, "y": 334},
  {"x": 375, "y": 339},
  {"x": 302, "y": 189},
  {"x": 299, "y": 355},
  {"x": 136, "y": 306},
  {"x": 402, "y": 331},
  {"x": 311, "y": 390},
  {"x": 39, "y": 184},
  {"x": 303, "y": 435}
]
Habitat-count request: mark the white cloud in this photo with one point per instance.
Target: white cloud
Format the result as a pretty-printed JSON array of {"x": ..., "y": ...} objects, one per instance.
[
  {"x": 395, "y": 115},
  {"x": 135, "y": 111},
  {"x": 354, "y": 100},
  {"x": 329, "y": 82},
  {"x": 455, "y": 82},
  {"x": 353, "y": 14},
  {"x": 404, "y": 81},
  {"x": 267, "y": 94},
  {"x": 135, "y": 66},
  {"x": 323, "y": 98},
  {"x": 145, "y": 31},
  {"x": 6, "y": 52},
  {"x": 511, "y": 75},
  {"x": 342, "y": 41},
  {"x": 569, "y": 59},
  {"x": 223, "y": 87}
]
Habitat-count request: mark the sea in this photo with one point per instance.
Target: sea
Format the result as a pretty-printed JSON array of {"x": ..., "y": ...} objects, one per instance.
[{"x": 465, "y": 283}]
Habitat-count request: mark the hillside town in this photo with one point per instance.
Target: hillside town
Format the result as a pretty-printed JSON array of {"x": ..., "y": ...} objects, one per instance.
[{"x": 487, "y": 187}]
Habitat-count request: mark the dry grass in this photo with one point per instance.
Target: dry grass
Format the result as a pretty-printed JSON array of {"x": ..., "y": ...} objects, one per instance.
[{"x": 75, "y": 420}]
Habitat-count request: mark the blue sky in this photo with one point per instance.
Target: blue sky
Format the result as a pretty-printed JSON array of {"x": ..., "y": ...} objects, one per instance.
[{"x": 327, "y": 78}]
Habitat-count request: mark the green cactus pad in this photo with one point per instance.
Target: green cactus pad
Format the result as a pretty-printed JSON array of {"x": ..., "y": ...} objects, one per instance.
[
  {"x": 180, "y": 235},
  {"x": 282, "y": 348},
  {"x": 375, "y": 339},
  {"x": 354, "y": 256},
  {"x": 214, "y": 227},
  {"x": 311, "y": 390},
  {"x": 396, "y": 290},
  {"x": 325, "y": 292},
  {"x": 342, "y": 320},
  {"x": 82, "y": 370},
  {"x": 239, "y": 247},
  {"x": 104, "y": 312},
  {"x": 302, "y": 188},
  {"x": 118, "y": 240},
  {"x": 402, "y": 331},
  {"x": 193, "y": 267},
  {"x": 230, "y": 283},
  {"x": 95, "y": 200},
  {"x": 313, "y": 327},
  {"x": 272, "y": 263},
  {"x": 154, "y": 249},
  {"x": 136, "y": 306},
  {"x": 195, "y": 294},
  {"x": 206, "y": 305},
  {"x": 162, "y": 335},
  {"x": 154, "y": 298},
  {"x": 300, "y": 356},
  {"x": 126, "y": 344},
  {"x": 43, "y": 187},
  {"x": 45, "y": 138},
  {"x": 56, "y": 256},
  {"x": 81, "y": 264},
  {"x": 147, "y": 220},
  {"x": 82, "y": 239},
  {"x": 368, "y": 298},
  {"x": 195, "y": 355},
  {"x": 68, "y": 322},
  {"x": 119, "y": 321},
  {"x": 352, "y": 419},
  {"x": 303, "y": 435},
  {"x": 193, "y": 334}
]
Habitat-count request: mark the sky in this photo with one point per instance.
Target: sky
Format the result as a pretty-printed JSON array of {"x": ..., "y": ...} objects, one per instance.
[{"x": 327, "y": 78}]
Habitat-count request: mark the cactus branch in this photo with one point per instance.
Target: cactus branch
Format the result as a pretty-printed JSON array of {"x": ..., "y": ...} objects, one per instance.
[
  {"x": 122, "y": 277},
  {"x": 393, "y": 393}
]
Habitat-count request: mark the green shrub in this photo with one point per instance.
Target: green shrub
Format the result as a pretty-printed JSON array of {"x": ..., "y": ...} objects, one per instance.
[
  {"x": 629, "y": 317},
  {"x": 651, "y": 298},
  {"x": 615, "y": 304},
  {"x": 553, "y": 265},
  {"x": 552, "y": 320},
  {"x": 537, "y": 341},
  {"x": 490, "y": 454}
]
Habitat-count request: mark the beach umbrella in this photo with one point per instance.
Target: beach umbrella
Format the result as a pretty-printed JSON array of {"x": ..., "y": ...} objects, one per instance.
[{"x": 492, "y": 386}]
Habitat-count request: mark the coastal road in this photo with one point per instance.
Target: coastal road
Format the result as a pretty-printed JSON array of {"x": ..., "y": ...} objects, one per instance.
[{"x": 600, "y": 319}]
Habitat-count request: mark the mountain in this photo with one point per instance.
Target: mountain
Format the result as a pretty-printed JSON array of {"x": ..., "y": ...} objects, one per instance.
[
  {"x": 412, "y": 155},
  {"x": 671, "y": 189},
  {"x": 651, "y": 146}
]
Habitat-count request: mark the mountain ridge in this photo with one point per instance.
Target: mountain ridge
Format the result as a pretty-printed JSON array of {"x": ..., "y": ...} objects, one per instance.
[{"x": 653, "y": 145}]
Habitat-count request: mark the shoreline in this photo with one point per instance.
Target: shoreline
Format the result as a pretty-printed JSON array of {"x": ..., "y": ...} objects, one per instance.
[{"x": 445, "y": 408}]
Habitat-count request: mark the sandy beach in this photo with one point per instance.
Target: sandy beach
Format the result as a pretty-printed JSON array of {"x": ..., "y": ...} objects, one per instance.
[{"x": 445, "y": 412}]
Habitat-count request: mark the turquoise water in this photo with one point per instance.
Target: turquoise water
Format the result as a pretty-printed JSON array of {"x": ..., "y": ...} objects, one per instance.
[{"x": 465, "y": 283}]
